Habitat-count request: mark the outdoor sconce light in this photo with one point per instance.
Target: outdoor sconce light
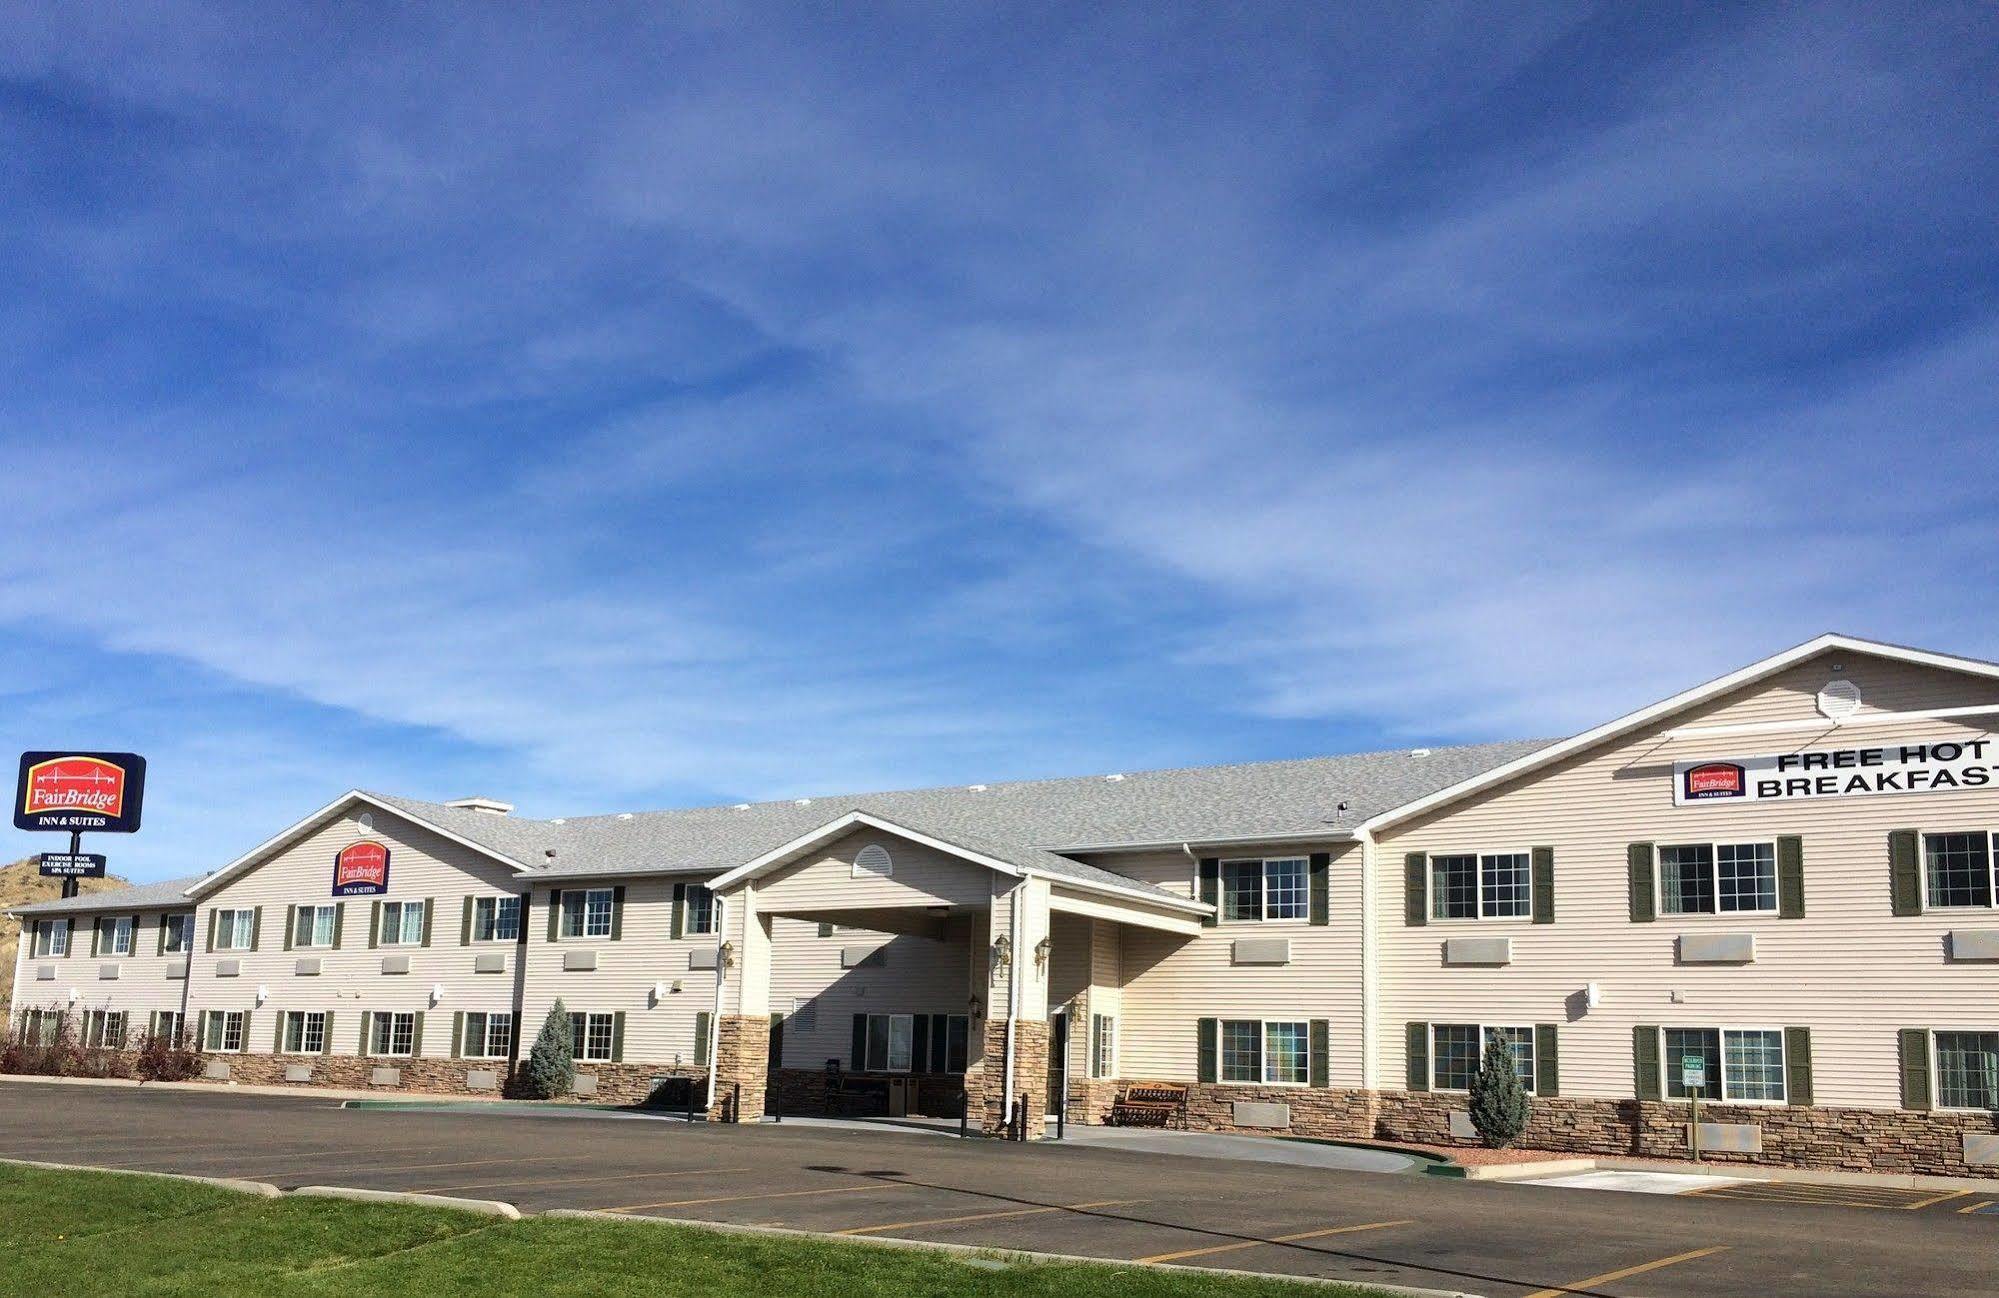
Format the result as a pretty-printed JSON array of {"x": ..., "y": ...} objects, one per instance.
[
  {"x": 725, "y": 955},
  {"x": 436, "y": 993},
  {"x": 1592, "y": 996},
  {"x": 1002, "y": 951},
  {"x": 263, "y": 994},
  {"x": 977, "y": 1009},
  {"x": 658, "y": 992},
  {"x": 1041, "y": 950},
  {"x": 74, "y": 995}
]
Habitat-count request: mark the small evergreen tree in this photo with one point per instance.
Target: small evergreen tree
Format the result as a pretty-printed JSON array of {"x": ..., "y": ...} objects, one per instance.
[
  {"x": 1498, "y": 1100},
  {"x": 551, "y": 1066}
]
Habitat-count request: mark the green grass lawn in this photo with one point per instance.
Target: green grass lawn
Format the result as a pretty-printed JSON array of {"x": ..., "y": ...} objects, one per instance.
[{"x": 105, "y": 1234}]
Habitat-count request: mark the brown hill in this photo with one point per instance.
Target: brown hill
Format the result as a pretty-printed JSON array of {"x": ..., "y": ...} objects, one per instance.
[{"x": 21, "y": 883}]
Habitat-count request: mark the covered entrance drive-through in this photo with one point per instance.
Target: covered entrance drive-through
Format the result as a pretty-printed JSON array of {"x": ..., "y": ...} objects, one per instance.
[{"x": 948, "y": 959}]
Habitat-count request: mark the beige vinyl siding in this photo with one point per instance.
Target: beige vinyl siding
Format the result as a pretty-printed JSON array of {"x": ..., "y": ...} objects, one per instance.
[
  {"x": 1849, "y": 970},
  {"x": 1169, "y": 982},
  {"x": 921, "y": 975},
  {"x": 142, "y": 985},
  {"x": 422, "y": 864},
  {"x": 644, "y": 954},
  {"x": 825, "y": 879}
]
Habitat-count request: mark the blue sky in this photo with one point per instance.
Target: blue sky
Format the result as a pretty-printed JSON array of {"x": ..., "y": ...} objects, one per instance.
[{"x": 608, "y": 408}]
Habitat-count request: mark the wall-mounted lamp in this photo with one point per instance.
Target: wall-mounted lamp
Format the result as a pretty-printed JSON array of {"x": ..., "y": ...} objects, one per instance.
[
  {"x": 976, "y": 1010},
  {"x": 436, "y": 993},
  {"x": 658, "y": 992},
  {"x": 1041, "y": 950},
  {"x": 1002, "y": 951},
  {"x": 1592, "y": 996},
  {"x": 74, "y": 995},
  {"x": 725, "y": 955},
  {"x": 263, "y": 994}
]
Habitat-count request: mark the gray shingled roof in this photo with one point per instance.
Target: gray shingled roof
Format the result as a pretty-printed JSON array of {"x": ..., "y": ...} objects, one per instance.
[
  {"x": 1024, "y": 823},
  {"x": 164, "y": 895}
]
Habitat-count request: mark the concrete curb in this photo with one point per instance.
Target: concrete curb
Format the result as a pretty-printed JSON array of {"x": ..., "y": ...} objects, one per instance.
[
  {"x": 1512, "y": 1171},
  {"x": 260, "y": 1189},
  {"x": 972, "y": 1252},
  {"x": 231, "y": 1088},
  {"x": 490, "y": 1207}
]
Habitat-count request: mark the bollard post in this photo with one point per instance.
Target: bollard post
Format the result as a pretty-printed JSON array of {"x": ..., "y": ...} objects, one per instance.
[{"x": 690, "y": 1099}]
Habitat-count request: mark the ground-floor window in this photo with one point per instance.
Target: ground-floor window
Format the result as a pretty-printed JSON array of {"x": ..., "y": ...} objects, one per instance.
[
  {"x": 167, "y": 1025},
  {"x": 1457, "y": 1050},
  {"x": 593, "y": 1036},
  {"x": 39, "y": 1027},
  {"x": 891, "y": 1043},
  {"x": 1746, "y": 1063},
  {"x": 1967, "y": 1070},
  {"x": 305, "y": 1032},
  {"x": 392, "y": 1034},
  {"x": 488, "y": 1036},
  {"x": 225, "y": 1030},
  {"x": 1258, "y": 1050},
  {"x": 1103, "y": 1046},
  {"x": 104, "y": 1029}
]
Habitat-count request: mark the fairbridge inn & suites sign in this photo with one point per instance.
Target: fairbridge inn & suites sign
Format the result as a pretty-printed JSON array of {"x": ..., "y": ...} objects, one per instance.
[{"x": 1840, "y": 773}]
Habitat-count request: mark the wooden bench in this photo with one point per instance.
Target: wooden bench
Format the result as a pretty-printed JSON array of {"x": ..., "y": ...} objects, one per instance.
[{"x": 1150, "y": 1104}]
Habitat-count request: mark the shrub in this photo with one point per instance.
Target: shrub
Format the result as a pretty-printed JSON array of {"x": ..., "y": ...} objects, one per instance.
[
  {"x": 166, "y": 1059},
  {"x": 1499, "y": 1104},
  {"x": 551, "y": 1066}
]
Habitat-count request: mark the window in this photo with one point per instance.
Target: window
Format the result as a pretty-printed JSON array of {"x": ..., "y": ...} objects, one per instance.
[
  {"x": 167, "y": 1025},
  {"x": 1458, "y": 1049},
  {"x": 1103, "y": 1046},
  {"x": 120, "y": 930},
  {"x": 225, "y": 1031},
  {"x": 804, "y": 1014},
  {"x": 1491, "y": 885},
  {"x": 40, "y": 1026},
  {"x": 890, "y": 1041},
  {"x": 393, "y": 1034},
  {"x": 51, "y": 937},
  {"x": 594, "y": 1036},
  {"x": 496, "y": 919},
  {"x": 586, "y": 913},
  {"x": 402, "y": 923},
  {"x": 104, "y": 1029},
  {"x": 701, "y": 911},
  {"x": 1258, "y": 890},
  {"x": 488, "y": 1036},
  {"x": 1959, "y": 869},
  {"x": 1717, "y": 878},
  {"x": 1748, "y": 1063},
  {"x": 1275, "y": 1052},
  {"x": 313, "y": 926},
  {"x": 305, "y": 1032},
  {"x": 177, "y": 932},
  {"x": 1967, "y": 1070},
  {"x": 234, "y": 929}
]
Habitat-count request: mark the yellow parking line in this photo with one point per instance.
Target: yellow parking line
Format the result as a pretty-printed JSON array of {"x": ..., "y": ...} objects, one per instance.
[
  {"x": 1274, "y": 1239},
  {"x": 1977, "y": 1207},
  {"x": 431, "y": 1167},
  {"x": 1819, "y": 1200},
  {"x": 1954, "y": 1194},
  {"x": 575, "y": 1180},
  {"x": 236, "y": 1159},
  {"x": 1640, "y": 1269},
  {"x": 986, "y": 1216},
  {"x": 740, "y": 1198}
]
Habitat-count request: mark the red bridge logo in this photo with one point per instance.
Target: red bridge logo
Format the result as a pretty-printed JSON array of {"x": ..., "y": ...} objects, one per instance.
[
  {"x": 88, "y": 784},
  {"x": 361, "y": 870},
  {"x": 1715, "y": 780}
]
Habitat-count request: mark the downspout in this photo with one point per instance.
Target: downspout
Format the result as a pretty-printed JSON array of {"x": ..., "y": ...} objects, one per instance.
[
  {"x": 715, "y": 1018},
  {"x": 1370, "y": 973},
  {"x": 1012, "y": 991}
]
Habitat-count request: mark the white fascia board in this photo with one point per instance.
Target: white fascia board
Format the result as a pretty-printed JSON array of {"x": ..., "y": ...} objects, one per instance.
[
  {"x": 1135, "y": 893},
  {"x": 1327, "y": 835},
  {"x": 209, "y": 883},
  {"x": 833, "y": 829},
  {"x": 1665, "y": 707}
]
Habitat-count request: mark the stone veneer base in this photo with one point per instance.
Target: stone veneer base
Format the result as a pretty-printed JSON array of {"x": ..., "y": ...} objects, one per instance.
[{"x": 620, "y": 1083}]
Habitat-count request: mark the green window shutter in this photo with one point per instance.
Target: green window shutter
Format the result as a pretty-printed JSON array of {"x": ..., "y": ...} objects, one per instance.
[
  {"x": 1905, "y": 873},
  {"x": 1645, "y": 1060},
  {"x": 701, "y": 1021},
  {"x": 96, "y": 935},
  {"x": 160, "y": 937},
  {"x": 1915, "y": 1068},
  {"x": 618, "y": 1037},
  {"x": 1208, "y": 1040},
  {"x": 326, "y": 1041},
  {"x": 1211, "y": 888},
  {"x": 429, "y": 913},
  {"x": 617, "y": 912},
  {"x": 1790, "y": 877},
  {"x": 256, "y": 926},
  {"x": 278, "y": 1037},
  {"x": 465, "y": 923},
  {"x": 860, "y": 1043},
  {"x": 339, "y": 921},
  {"x": 1416, "y": 1048},
  {"x": 678, "y": 922},
  {"x": 416, "y": 1035},
  {"x": 367, "y": 1021},
  {"x": 457, "y": 1033},
  {"x": 521, "y": 930},
  {"x": 291, "y": 925},
  {"x": 1321, "y": 1064},
  {"x": 201, "y": 1030},
  {"x": 1321, "y": 911},
  {"x": 213, "y": 915},
  {"x": 825, "y": 929},
  {"x": 374, "y": 924},
  {"x": 1798, "y": 1065},
  {"x": 1644, "y": 896},
  {"x": 1547, "y": 1060},
  {"x": 1544, "y": 885},
  {"x": 554, "y": 913},
  {"x": 1415, "y": 890}
]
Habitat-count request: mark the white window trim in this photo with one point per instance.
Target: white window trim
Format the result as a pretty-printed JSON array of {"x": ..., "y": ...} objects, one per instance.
[
  {"x": 55, "y": 926},
  {"x": 1110, "y": 1066},
  {"x": 1936, "y": 1074},
  {"x": 1533, "y": 1050},
  {"x": 1783, "y": 1061},
  {"x": 154, "y": 1023},
  {"x": 562, "y": 933},
  {"x": 1714, "y": 879},
  {"x": 888, "y": 1046},
  {"x": 423, "y": 909},
  {"x": 313, "y": 910},
  {"x": 186, "y": 919},
  {"x": 485, "y": 1050},
  {"x": 1478, "y": 856},
  {"x": 687, "y": 928},
  {"x": 1263, "y": 892},
  {"x": 302, "y": 1016},
  {"x": 1263, "y": 1048},
  {"x": 225, "y": 927},
  {"x": 1923, "y": 837},
  {"x": 611, "y": 1046},
  {"x": 129, "y": 926},
  {"x": 374, "y": 1025},
  {"x": 242, "y": 1035},
  {"x": 496, "y": 899}
]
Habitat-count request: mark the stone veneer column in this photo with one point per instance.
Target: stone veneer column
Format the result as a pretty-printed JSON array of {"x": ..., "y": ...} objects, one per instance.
[
  {"x": 985, "y": 1095},
  {"x": 742, "y": 1065}
]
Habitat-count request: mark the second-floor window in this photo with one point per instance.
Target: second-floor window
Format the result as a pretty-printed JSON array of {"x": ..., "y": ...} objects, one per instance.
[
  {"x": 51, "y": 937},
  {"x": 313, "y": 926},
  {"x": 701, "y": 911},
  {"x": 176, "y": 934},
  {"x": 1717, "y": 878},
  {"x": 118, "y": 936},
  {"x": 402, "y": 923},
  {"x": 496, "y": 919},
  {"x": 1264, "y": 889},
  {"x": 586, "y": 913},
  {"x": 1958, "y": 868},
  {"x": 1481, "y": 885},
  {"x": 235, "y": 929}
]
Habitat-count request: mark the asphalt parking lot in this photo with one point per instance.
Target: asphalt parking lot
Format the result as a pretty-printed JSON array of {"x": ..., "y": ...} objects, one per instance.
[{"x": 1488, "y": 1238}]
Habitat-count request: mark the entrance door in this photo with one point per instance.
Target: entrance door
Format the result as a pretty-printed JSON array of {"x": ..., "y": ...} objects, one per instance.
[{"x": 1058, "y": 1062}]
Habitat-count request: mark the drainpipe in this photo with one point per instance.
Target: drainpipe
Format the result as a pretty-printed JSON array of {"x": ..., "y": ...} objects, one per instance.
[
  {"x": 1370, "y": 972},
  {"x": 1012, "y": 992},
  {"x": 715, "y": 1019}
]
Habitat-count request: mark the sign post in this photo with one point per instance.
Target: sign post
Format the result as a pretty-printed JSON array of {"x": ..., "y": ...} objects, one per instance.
[
  {"x": 1693, "y": 1076},
  {"x": 69, "y": 792}
]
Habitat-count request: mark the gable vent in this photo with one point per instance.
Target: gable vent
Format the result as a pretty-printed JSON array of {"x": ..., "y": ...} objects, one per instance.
[
  {"x": 873, "y": 861},
  {"x": 1838, "y": 700}
]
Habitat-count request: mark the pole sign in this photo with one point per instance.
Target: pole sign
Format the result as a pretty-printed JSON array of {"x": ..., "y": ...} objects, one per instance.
[
  {"x": 1839, "y": 773},
  {"x": 1693, "y": 1071},
  {"x": 75, "y": 793},
  {"x": 72, "y": 865},
  {"x": 361, "y": 870}
]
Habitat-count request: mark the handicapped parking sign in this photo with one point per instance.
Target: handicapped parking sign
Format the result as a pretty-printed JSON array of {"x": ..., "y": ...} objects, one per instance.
[{"x": 1693, "y": 1071}]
